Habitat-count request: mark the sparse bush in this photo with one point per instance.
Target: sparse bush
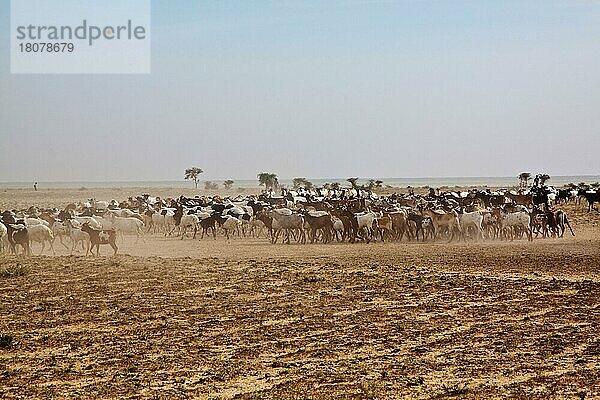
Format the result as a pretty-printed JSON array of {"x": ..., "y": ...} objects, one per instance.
[
  {"x": 13, "y": 270},
  {"x": 208, "y": 185},
  {"x": 454, "y": 390},
  {"x": 5, "y": 340}
]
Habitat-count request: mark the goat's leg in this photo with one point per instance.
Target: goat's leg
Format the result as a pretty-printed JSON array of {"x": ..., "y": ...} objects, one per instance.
[{"x": 60, "y": 238}]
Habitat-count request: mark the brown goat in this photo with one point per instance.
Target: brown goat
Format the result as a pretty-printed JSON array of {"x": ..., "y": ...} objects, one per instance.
[{"x": 100, "y": 236}]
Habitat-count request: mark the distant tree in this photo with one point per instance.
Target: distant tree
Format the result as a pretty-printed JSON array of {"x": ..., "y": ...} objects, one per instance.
[
  {"x": 298, "y": 183},
  {"x": 268, "y": 180},
  {"x": 524, "y": 179},
  {"x": 544, "y": 178},
  {"x": 228, "y": 184},
  {"x": 595, "y": 185},
  {"x": 582, "y": 185},
  {"x": 372, "y": 184},
  {"x": 208, "y": 185},
  {"x": 193, "y": 173},
  {"x": 572, "y": 185},
  {"x": 353, "y": 182},
  {"x": 335, "y": 186}
]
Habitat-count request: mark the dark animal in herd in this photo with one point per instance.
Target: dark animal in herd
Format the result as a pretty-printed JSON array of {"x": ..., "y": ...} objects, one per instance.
[
  {"x": 100, "y": 236},
  {"x": 18, "y": 235},
  {"x": 591, "y": 199}
]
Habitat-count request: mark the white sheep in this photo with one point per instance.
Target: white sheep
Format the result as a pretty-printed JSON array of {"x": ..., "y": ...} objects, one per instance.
[
  {"x": 3, "y": 236},
  {"x": 59, "y": 229},
  {"x": 77, "y": 235},
  {"x": 231, "y": 224},
  {"x": 41, "y": 233},
  {"x": 30, "y": 221},
  {"x": 188, "y": 221},
  {"x": 124, "y": 226},
  {"x": 256, "y": 227},
  {"x": 92, "y": 221}
]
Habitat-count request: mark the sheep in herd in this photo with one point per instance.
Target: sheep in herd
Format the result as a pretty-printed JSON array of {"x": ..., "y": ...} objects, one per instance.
[
  {"x": 338, "y": 229},
  {"x": 428, "y": 229},
  {"x": 3, "y": 233},
  {"x": 472, "y": 220},
  {"x": 415, "y": 224},
  {"x": 229, "y": 224},
  {"x": 561, "y": 221},
  {"x": 288, "y": 222},
  {"x": 319, "y": 220},
  {"x": 104, "y": 222},
  {"x": 41, "y": 233},
  {"x": 29, "y": 221},
  {"x": 186, "y": 221},
  {"x": 383, "y": 225},
  {"x": 126, "y": 213},
  {"x": 98, "y": 205},
  {"x": 98, "y": 237},
  {"x": 490, "y": 224},
  {"x": 159, "y": 221},
  {"x": 442, "y": 221},
  {"x": 511, "y": 222},
  {"x": 256, "y": 227},
  {"x": 59, "y": 229},
  {"x": 128, "y": 225},
  {"x": 400, "y": 224},
  {"x": 18, "y": 235},
  {"x": 92, "y": 221},
  {"x": 365, "y": 221},
  {"x": 77, "y": 236},
  {"x": 168, "y": 221}
]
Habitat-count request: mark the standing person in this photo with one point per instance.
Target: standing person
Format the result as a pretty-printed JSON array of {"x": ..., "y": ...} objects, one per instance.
[{"x": 35, "y": 186}]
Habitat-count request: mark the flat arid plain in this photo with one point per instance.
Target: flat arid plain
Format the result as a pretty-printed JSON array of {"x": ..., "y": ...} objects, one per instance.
[{"x": 171, "y": 318}]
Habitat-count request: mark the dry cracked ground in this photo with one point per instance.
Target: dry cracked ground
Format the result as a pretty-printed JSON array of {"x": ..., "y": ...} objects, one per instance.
[{"x": 249, "y": 320}]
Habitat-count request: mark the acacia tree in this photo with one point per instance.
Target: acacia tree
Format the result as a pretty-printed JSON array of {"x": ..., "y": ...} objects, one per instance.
[
  {"x": 544, "y": 178},
  {"x": 193, "y": 173},
  {"x": 268, "y": 180},
  {"x": 302, "y": 182},
  {"x": 228, "y": 184},
  {"x": 524, "y": 179},
  {"x": 353, "y": 182}
]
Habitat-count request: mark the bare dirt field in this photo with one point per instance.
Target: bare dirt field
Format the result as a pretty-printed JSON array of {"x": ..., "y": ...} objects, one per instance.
[{"x": 171, "y": 318}]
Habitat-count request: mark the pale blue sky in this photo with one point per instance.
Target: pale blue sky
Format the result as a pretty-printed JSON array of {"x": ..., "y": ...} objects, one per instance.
[{"x": 322, "y": 89}]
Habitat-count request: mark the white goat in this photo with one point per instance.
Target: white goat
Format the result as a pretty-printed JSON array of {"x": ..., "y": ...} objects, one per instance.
[
  {"x": 77, "y": 235},
  {"x": 474, "y": 220}
]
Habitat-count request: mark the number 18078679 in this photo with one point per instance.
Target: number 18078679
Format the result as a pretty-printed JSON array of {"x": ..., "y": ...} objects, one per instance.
[{"x": 44, "y": 47}]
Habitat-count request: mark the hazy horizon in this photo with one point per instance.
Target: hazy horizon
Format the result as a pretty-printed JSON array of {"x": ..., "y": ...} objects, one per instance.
[
  {"x": 317, "y": 89},
  {"x": 492, "y": 182}
]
